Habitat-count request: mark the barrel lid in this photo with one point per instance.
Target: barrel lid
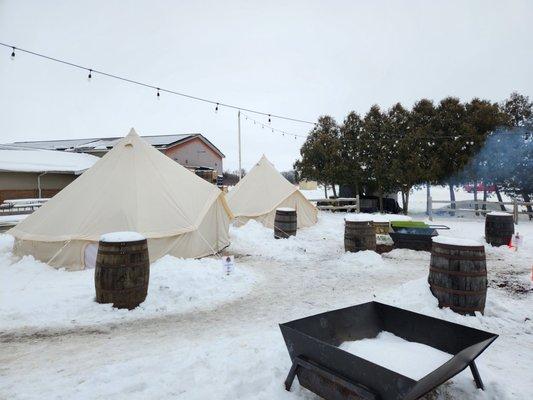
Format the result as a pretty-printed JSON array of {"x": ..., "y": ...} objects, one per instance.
[
  {"x": 455, "y": 241},
  {"x": 377, "y": 218},
  {"x": 126, "y": 236},
  {"x": 285, "y": 209},
  {"x": 500, "y": 213},
  {"x": 358, "y": 218}
]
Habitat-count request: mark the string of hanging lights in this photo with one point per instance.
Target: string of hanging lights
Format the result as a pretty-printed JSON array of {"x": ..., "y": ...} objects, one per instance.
[
  {"x": 269, "y": 127},
  {"x": 159, "y": 90},
  {"x": 217, "y": 104}
]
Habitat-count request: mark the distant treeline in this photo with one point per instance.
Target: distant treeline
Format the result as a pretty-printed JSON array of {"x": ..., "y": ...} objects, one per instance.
[{"x": 448, "y": 143}]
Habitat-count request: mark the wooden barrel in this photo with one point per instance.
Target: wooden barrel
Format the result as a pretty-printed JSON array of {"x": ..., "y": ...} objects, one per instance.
[
  {"x": 458, "y": 276},
  {"x": 285, "y": 223},
  {"x": 382, "y": 228},
  {"x": 499, "y": 228},
  {"x": 122, "y": 271},
  {"x": 359, "y": 235}
]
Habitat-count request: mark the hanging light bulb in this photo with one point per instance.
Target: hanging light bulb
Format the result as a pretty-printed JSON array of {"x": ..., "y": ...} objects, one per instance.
[
  {"x": 13, "y": 54},
  {"x": 158, "y": 94},
  {"x": 269, "y": 119},
  {"x": 90, "y": 75},
  {"x": 216, "y": 109}
]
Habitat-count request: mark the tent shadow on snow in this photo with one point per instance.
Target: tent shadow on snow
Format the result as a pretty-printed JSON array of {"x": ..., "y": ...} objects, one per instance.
[
  {"x": 134, "y": 187},
  {"x": 262, "y": 191}
]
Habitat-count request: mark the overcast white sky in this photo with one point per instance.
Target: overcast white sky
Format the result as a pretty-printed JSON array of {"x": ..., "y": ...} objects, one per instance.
[{"x": 298, "y": 58}]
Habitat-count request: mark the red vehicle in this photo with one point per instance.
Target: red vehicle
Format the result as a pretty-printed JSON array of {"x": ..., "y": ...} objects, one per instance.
[{"x": 480, "y": 187}]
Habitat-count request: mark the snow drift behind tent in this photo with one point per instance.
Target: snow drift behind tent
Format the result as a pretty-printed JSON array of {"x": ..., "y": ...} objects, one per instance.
[
  {"x": 134, "y": 187},
  {"x": 263, "y": 190}
]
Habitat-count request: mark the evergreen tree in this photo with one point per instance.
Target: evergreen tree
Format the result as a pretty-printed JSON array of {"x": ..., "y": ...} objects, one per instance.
[
  {"x": 403, "y": 147},
  {"x": 377, "y": 154},
  {"x": 321, "y": 154},
  {"x": 484, "y": 117},
  {"x": 352, "y": 171},
  {"x": 518, "y": 110},
  {"x": 455, "y": 140}
]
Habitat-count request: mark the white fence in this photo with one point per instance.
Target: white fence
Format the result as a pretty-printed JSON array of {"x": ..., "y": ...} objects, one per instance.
[
  {"x": 336, "y": 204},
  {"x": 476, "y": 206}
]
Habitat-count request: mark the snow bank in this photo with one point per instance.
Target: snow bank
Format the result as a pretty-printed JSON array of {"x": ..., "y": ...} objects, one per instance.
[
  {"x": 319, "y": 242},
  {"x": 36, "y": 296},
  {"x": 300, "y": 276},
  {"x": 361, "y": 259},
  {"x": 318, "y": 193},
  {"x": 411, "y": 359},
  {"x": 504, "y": 315}
]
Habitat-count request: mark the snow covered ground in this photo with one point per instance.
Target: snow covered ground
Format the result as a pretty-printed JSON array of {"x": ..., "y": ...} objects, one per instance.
[
  {"x": 38, "y": 298},
  {"x": 200, "y": 335}
]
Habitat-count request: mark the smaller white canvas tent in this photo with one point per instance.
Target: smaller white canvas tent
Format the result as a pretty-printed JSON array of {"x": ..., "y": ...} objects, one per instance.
[
  {"x": 134, "y": 187},
  {"x": 262, "y": 191}
]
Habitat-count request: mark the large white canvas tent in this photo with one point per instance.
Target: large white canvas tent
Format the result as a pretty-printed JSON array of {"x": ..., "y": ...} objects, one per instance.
[
  {"x": 262, "y": 191},
  {"x": 134, "y": 187}
]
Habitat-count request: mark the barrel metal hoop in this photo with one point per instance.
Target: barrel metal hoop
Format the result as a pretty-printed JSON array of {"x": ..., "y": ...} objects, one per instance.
[
  {"x": 120, "y": 291},
  {"x": 458, "y": 257},
  {"x": 457, "y": 291},
  {"x": 124, "y": 243},
  {"x": 460, "y": 308},
  {"x": 120, "y": 252},
  {"x": 459, "y": 247},
  {"x": 144, "y": 263},
  {"x": 457, "y": 273}
]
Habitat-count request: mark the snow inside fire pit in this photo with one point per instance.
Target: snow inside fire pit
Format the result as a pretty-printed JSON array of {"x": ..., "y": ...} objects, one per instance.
[{"x": 411, "y": 359}]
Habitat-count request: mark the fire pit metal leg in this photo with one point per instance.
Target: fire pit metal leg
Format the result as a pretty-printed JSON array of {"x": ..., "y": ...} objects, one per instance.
[
  {"x": 361, "y": 391},
  {"x": 292, "y": 375},
  {"x": 477, "y": 377}
]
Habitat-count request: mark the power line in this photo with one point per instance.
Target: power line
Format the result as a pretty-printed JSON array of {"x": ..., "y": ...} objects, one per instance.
[{"x": 92, "y": 71}]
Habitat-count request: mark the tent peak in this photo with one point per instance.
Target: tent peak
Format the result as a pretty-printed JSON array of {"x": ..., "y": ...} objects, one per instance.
[
  {"x": 133, "y": 132},
  {"x": 263, "y": 160}
]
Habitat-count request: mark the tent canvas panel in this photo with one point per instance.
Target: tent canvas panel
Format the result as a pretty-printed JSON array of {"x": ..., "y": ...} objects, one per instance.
[
  {"x": 306, "y": 213},
  {"x": 134, "y": 187},
  {"x": 210, "y": 237},
  {"x": 263, "y": 190}
]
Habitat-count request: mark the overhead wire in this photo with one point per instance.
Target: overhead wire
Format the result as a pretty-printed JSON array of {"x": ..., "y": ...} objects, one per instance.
[{"x": 92, "y": 71}]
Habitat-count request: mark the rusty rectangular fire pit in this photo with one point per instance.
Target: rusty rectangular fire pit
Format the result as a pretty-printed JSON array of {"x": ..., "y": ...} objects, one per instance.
[{"x": 334, "y": 374}]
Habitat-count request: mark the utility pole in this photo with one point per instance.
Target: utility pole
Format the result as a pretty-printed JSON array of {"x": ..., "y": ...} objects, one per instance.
[{"x": 239, "y": 136}]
